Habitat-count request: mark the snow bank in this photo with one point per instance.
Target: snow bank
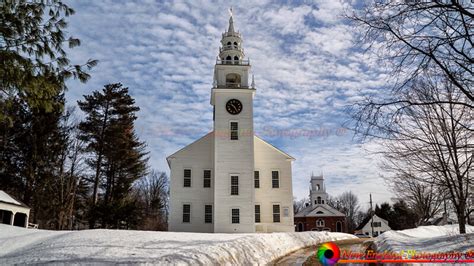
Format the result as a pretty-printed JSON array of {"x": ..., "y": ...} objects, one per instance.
[
  {"x": 427, "y": 239},
  {"x": 20, "y": 245}
]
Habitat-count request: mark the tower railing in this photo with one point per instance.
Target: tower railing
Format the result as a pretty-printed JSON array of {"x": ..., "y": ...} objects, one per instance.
[
  {"x": 231, "y": 47},
  {"x": 243, "y": 62}
]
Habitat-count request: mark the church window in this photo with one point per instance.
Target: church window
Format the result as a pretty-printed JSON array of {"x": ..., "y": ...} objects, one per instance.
[
  {"x": 236, "y": 44},
  {"x": 229, "y": 43},
  {"x": 235, "y": 216},
  {"x": 234, "y": 185},
  {"x": 236, "y": 59},
  {"x": 256, "y": 175},
  {"x": 276, "y": 213},
  {"x": 208, "y": 214},
  {"x": 318, "y": 187},
  {"x": 257, "y": 213},
  {"x": 187, "y": 177},
  {"x": 232, "y": 80},
  {"x": 207, "y": 178},
  {"x": 319, "y": 212},
  {"x": 320, "y": 223},
  {"x": 319, "y": 200},
  {"x": 275, "y": 179},
  {"x": 234, "y": 130},
  {"x": 228, "y": 59},
  {"x": 186, "y": 213}
]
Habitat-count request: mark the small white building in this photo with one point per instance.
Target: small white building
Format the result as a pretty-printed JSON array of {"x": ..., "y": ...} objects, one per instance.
[
  {"x": 380, "y": 226},
  {"x": 231, "y": 181},
  {"x": 12, "y": 211}
]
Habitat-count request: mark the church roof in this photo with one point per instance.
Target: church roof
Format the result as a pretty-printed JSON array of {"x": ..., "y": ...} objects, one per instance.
[
  {"x": 367, "y": 219},
  {"x": 275, "y": 148},
  {"x": 319, "y": 210},
  {"x": 208, "y": 135},
  {"x": 185, "y": 147}
]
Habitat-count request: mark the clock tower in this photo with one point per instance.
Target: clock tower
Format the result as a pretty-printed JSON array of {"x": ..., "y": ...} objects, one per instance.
[
  {"x": 232, "y": 99},
  {"x": 231, "y": 181}
]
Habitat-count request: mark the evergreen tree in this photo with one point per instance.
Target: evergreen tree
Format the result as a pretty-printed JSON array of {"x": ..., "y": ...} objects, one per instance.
[
  {"x": 30, "y": 153},
  {"x": 118, "y": 157},
  {"x": 384, "y": 211},
  {"x": 33, "y": 60},
  {"x": 34, "y": 68},
  {"x": 403, "y": 216}
]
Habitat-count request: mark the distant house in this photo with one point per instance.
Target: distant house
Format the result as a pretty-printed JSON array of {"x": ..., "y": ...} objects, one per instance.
[
  {"x": 380, "y": 226},
  {"x": 13, "y": 211},
  {"x": 318, "y": 215},
  {"x": 443, "y": 220}
]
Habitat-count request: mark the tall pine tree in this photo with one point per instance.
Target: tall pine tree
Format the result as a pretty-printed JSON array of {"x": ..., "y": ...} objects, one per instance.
[{"x": 117, "y": 158}]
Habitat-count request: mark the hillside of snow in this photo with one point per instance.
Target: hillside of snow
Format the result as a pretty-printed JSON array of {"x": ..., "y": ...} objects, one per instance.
[
  {"x": 427, "y": 239},
  {"x": 21, "y": 245}
]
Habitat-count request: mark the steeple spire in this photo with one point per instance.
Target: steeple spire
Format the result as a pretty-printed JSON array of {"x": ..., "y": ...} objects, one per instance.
[{"x": 231, "y": 21}]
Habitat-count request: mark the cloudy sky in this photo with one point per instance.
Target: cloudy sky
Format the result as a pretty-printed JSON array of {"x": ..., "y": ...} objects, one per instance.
[{"x": 307, "y": 70}]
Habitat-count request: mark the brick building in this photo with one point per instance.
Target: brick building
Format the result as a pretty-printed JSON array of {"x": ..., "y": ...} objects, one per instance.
[{"x": 318, "y": 215}]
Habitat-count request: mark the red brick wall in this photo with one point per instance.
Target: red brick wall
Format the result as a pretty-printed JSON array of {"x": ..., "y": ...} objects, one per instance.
[{"x": 329, "y": 222}]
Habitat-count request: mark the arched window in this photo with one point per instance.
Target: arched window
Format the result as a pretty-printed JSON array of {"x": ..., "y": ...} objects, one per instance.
[
  {"x": 229, "y": 43},
  {"x": 338, "y": 226},
  {"x": 319, "y": 212},
  {"x": 236, "y": 59},
  {"x": 228, "y": 59},
  {"x": 319, "y": 200},
  {"x": 318, "y": 187},
  {"x": 232, "y": 80},
  {"x": 320, "y": 223}
]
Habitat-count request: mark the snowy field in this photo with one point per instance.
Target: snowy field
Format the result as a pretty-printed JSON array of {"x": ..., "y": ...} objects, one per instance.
[
  {"x": 427, "y": 239},
  {"x": 32, "y": 246}
]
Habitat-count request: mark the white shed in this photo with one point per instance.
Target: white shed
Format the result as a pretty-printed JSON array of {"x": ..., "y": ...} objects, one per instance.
[{"x": 13, "y": 211}]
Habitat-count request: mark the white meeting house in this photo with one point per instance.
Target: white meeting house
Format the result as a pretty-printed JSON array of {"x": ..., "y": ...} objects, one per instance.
[{"x": 231, "y": 181}]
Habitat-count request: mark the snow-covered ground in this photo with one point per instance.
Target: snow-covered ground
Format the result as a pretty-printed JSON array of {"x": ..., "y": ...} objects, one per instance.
[
  {"x": 20, "y": 245},
  {"x": 433, "y": 239}
]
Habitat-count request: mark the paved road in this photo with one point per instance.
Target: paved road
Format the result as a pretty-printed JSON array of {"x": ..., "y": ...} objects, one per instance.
[{"x": 300, "y": 256}]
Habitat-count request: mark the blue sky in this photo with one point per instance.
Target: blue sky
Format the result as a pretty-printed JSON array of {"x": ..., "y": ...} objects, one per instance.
[{"x": 307, "y": 71}]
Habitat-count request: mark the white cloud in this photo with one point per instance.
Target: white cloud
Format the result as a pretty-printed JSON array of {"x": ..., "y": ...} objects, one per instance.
[{"x": 306, "y": 70}]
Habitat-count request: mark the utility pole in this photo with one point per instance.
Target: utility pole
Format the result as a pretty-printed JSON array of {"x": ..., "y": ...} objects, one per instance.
[{"x": 372, "y": 215}]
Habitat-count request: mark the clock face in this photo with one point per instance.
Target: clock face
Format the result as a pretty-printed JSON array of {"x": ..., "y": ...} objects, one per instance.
[{"x": 233, "y": 106}]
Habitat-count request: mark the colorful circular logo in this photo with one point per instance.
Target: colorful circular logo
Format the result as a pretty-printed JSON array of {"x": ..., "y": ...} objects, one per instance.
[{"x": 328, "y": 253}]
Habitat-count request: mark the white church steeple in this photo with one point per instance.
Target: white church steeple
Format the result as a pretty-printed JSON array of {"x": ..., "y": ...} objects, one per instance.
[{"x": 317, "y": 191}]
